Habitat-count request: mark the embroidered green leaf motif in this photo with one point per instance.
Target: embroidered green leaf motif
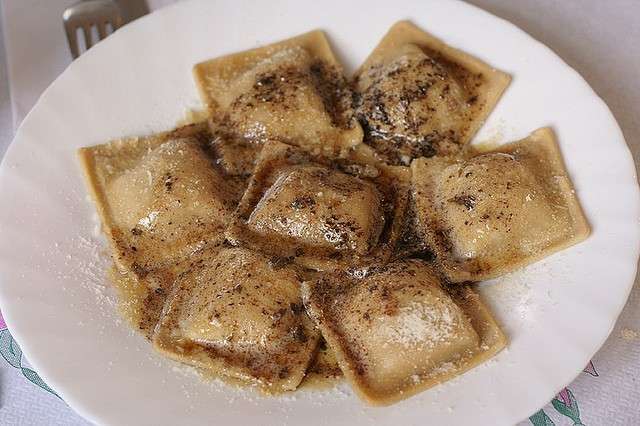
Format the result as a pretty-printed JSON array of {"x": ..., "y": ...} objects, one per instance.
[
  {"x": 568, "y": 408},
  {"x": 10, "y": 349},
  {"x": 541, "y": 419},
  {"x": 13, "y": 354},
  {"x": 35, "y": 378}
]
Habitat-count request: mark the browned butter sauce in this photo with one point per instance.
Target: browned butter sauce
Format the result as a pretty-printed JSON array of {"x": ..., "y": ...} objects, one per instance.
[
  {"x": 301, "y": 191},
  {"x": 324, "y": 372}
]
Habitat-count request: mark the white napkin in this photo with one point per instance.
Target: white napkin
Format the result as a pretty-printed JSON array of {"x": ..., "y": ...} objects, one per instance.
[{"x": 36, "y": 49}]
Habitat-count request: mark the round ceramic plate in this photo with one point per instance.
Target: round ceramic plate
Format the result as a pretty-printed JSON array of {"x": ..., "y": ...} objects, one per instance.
[{"x": 57, "y": 301}]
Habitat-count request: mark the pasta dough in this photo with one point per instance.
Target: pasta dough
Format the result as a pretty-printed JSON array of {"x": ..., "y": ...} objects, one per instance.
[
  {"x": 235, "y": 155},
  {"x": 420, "y": 97},
  {"x": 396, "y": 331},
  {"x": 293, "y": 91},
  {"x": 161, "y": 199},
  {"x": 324, "y": 369},
  {"x": 238, "y": 314},
  {"x": 319, "y": 212},
  {"x": 498, "y": 211}
]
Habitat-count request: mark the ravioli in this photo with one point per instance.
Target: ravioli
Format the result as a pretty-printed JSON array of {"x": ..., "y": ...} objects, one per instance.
[
  {"x": 316, "y": 226},
  {"x": 293, "y": 91},
  {"x": 420, "y": 97},
  {"x": 497, "y": 211},
  {"x": 322, "y": 208},
  {"x": 319, "y": 212},
  {"x": 397, "y": 331},
  {"x": 237, "y": 314},
  {"x": 160, "y": 199}
]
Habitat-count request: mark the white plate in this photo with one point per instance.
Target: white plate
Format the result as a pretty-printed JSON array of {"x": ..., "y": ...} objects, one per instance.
[{"x": 57, "y": 302}]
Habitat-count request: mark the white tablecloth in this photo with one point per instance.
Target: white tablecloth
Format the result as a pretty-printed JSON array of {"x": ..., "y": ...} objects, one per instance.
[{"x": 600, "y": 39}]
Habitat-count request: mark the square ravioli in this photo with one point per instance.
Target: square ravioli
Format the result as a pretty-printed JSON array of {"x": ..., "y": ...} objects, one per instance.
[
  {"x": 321, "y": 207},
  {"x": 317, "y": 211},
  {"x": 419, "y": 97},
  {"x": 293, "y": 91},
  {"x": 397, "y": 331},
  {"x": 498, "y": 211},
  {"x": 237, "y": 314},
  {"x": 160, "y": 199}
]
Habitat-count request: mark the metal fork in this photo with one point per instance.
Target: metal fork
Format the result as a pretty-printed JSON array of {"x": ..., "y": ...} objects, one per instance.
[{"x": 86, "y": 15}]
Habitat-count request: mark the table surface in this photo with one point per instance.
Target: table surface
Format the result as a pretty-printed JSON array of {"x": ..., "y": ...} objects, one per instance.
[{"x": 601, "y": 40}]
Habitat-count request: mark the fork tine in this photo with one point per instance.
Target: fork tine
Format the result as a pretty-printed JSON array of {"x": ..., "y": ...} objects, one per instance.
[
  {"x": 72, "y": 38},
  {"x": 116, "y": 22},
  {"x": 102, "y": 30},
  {"x": 85, "y": 15},
  {"x": 88, "y": 39}
]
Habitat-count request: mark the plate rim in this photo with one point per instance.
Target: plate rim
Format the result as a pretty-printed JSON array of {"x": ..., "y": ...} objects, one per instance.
[{"x": 10, "y": 314}]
